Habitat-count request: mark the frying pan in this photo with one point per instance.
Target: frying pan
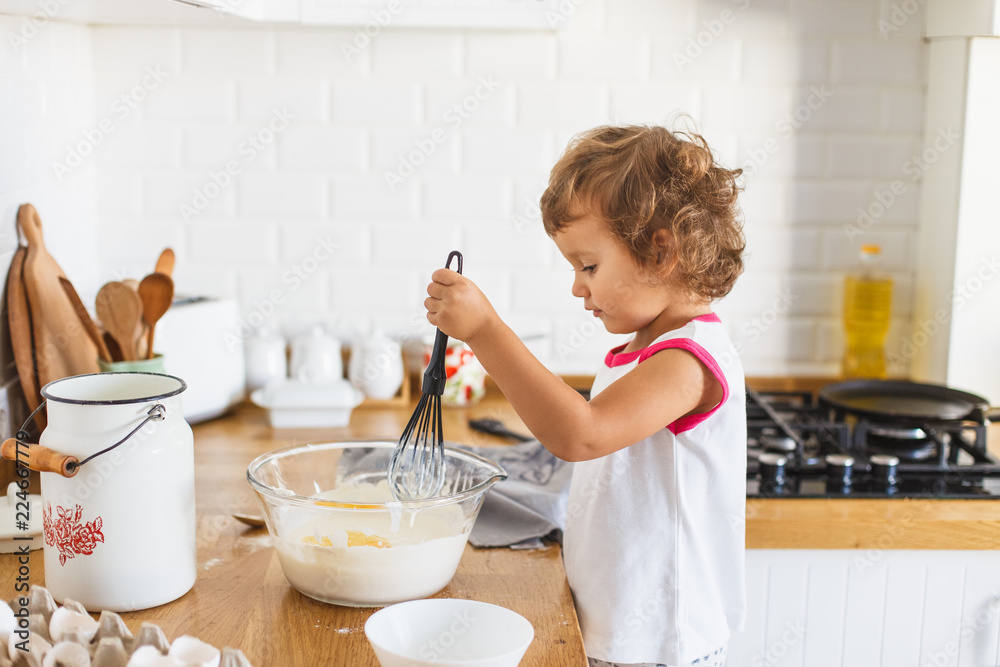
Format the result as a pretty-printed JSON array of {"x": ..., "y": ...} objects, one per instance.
[{"x": 900, "y": 400}]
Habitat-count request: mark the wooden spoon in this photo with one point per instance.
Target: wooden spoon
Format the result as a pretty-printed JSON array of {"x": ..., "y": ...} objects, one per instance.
[
  {"x": 85, "y": 319},
  {"x": 165, "y": 264},
  {"x": 120, "y": 311},
  {"x": 157, "y": 292}
]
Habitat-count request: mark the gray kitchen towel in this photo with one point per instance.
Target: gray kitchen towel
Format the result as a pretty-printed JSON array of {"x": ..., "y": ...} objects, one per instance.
[{"x": 527, "y": 506}]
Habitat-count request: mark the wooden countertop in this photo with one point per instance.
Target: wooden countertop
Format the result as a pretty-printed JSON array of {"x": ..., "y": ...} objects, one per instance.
[{"x": 241, "y": 598}]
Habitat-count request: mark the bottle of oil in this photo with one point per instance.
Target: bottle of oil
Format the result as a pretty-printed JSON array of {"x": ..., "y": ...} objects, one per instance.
[{"x": 867, "y": 311}]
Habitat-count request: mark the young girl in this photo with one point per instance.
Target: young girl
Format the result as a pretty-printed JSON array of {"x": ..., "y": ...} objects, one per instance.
[{"x": 654, "y": 543}]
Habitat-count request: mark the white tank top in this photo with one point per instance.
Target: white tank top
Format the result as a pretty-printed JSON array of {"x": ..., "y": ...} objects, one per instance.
[{"x": 654, "y": 540}]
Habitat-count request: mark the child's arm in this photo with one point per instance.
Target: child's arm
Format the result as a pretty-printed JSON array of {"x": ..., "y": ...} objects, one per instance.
[{"x": 665, "y": 387}]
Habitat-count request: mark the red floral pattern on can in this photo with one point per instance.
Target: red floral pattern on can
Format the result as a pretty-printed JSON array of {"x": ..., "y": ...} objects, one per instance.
[{"x": 68, "y": 534}]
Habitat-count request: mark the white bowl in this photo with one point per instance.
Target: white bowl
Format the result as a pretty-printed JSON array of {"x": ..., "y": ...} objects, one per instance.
[
  {"x": 295, "y": 404},
  {"x": 450, "y": 632}
]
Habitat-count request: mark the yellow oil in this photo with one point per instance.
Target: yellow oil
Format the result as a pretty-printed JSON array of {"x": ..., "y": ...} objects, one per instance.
[{"x": 867, "y": 312}]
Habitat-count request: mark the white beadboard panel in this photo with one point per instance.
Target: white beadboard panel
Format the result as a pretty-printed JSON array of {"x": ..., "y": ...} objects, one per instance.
[
  {"x": 234, "y": 52},
  {"x": 761, "y": 107},
  {"x": 864, "y": 613},
  {"x": 235, "y": 244},
  {"x": 655, "y": 103},
  {"x": 787, "y": 630},
  {"x": 427, "y": 149},
  {"x": 979, "y": 641},
  {"x": 682, "y": 57},
  {"x": 749, "y": 644},
  {"x": 785, "y": 61},
  {"x": 576, "y": 106},
  {"x": 282, "y": 196},
  {"x": 166, "y": 192},
  {"x": 259, "y": 99},
  {"x": 440, "y": 54},
  {"x": 506, "y": 151},
  {"x": 487, "y": 100},
  {"x": 825, "y": 609},
  {"x": 348, "y": 242},
  {"x": 332, "y": 53},
  {"x": 510, "y": 56},
  {"x": 465, "y": 198},
  {"x": 941, "y": 636},
  {"x": 611, "y": 59},
  {"x": 370, "y": 196},
  {"x": 877, "y": 62},
  {"x": 904, "y": 614},
  {"x": 782, "y": 248},
  {"x": 423, "y": 247},
  {"x": 389, "y": 101},
  {"x": 314, "y": 148},
  {"x": 193, "y": 98},
  {"x": 871, "y": 156}
]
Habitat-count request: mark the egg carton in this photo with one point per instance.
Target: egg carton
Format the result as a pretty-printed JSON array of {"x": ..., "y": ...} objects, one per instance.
[{"x": 68, "y": 636}]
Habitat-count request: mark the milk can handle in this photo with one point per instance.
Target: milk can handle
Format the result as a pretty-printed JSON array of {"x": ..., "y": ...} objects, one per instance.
[{"x": 67, "y": 466}]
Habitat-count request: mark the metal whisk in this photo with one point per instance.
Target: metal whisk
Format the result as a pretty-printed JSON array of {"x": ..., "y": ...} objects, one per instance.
[{"x": 417, "y": 467}]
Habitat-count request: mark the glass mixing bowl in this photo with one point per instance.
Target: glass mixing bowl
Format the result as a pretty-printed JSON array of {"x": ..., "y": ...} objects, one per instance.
[{"x": 341, "y": 538}]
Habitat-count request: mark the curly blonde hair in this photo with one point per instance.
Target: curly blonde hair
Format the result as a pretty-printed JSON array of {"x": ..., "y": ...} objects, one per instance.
[{"x": 645, "y": 178}]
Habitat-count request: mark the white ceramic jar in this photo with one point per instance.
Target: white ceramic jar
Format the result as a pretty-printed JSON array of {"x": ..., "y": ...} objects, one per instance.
[
  {"x": 266, "y": 358},
  {"x": 315, "y": 357},
  {"x": 120, "y": 534},
  {"x": 376, "y": 366}
]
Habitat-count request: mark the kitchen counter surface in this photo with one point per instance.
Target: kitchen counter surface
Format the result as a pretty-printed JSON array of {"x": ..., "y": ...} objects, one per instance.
[{"x": 241, "y": 598}]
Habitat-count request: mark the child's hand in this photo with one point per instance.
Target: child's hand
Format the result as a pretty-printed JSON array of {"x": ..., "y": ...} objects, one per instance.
[{"x": 457, "y": 307}]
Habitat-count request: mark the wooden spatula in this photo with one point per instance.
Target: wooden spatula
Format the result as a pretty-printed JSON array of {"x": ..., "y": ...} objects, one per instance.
[
  {"x": 157, "y": 292},
  {"x": 120, "y": 311},
  {"x": 165, "y": 263}
]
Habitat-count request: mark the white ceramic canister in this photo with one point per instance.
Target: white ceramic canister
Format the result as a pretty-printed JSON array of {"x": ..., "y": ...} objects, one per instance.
[
  {"x": 376, "y": 366},
  {"x": 120, "y": 533},
  {"x": 315, "y": 357}
]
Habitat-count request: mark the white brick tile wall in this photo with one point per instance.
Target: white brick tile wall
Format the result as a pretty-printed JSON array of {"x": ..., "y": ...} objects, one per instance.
[
  {"x": 877, "y": 62},
  {"x": 395, "y": 101},
  {"x": 330, "y": 53},
  {"x": 120, "y": 246},
  {"x": 465, "y": 198},
  {"x": 835, "y": 106},
  {"x": 868, "y": 156},
  {"x": 236, "y": 244},
  {"x": 610, "y": 59},
  {"x": 506, "y": 151},
  {"x": 284, "y": 290},
  {"x": 283, "y": 196},
  {"x": 575, "y": 106},
  {"x": 486, "y": 100},
  {"x": 242, "y": 52},
  {"x": 369, "y": 197},
  {"x": 260, "y": 98},
  {"x": 440, "y": 54},
  {"x": 652, "y": 103},
  {"x": 308, "y": 147},
  {"x": 511, "y": 56}
]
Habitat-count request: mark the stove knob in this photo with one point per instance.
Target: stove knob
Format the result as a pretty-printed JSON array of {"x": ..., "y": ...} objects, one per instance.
[
  {"x": 781, "y": 444},
  {"x": 772, "y": 469},
  {"x": 839, "y": 470},
  {"x": 884, "y": 469}
]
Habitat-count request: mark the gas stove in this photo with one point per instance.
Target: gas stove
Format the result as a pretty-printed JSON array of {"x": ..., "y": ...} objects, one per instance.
[{"x": 799, "y": 446}]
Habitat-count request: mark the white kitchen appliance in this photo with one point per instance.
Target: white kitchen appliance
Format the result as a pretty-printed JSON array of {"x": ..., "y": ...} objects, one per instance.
[{"x": 201, "y": 341}]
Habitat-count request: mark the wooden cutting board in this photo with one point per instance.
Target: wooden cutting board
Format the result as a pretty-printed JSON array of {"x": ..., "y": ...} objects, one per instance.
[
  {"x": 19, "y": 321},
  {"x": 61, "y": 346}
]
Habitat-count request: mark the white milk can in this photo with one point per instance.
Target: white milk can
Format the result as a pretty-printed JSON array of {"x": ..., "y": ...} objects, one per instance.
[{"x": 120, "y": 533}]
